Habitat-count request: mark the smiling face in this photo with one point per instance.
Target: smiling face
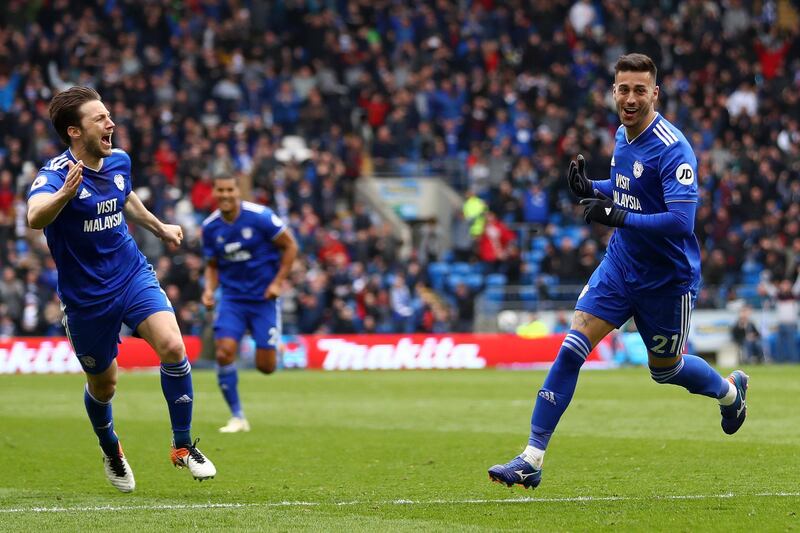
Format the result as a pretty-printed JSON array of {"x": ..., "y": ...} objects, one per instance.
[
  {"x": 635, "y": 94},
  {"x": 228, "y": 196},
  {"x": 95, "y": 130}
]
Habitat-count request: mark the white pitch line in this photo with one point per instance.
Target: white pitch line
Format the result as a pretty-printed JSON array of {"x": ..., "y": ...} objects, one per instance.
[{"x": 572, "y": 499}]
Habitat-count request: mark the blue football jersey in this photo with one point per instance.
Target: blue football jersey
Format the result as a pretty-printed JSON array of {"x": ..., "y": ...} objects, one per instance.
[
  {"x": 656, "y": 168},
  {"x": 247, "y": 258},
  {"x": 89, "y": 240}
]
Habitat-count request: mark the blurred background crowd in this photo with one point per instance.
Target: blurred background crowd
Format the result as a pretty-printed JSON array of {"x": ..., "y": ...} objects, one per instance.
[{"x": 494, "y": 96}]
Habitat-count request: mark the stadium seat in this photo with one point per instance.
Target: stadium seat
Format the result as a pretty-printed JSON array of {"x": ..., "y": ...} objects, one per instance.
[
  {"x": 748, "y": 292},
  {"x": 454, "y": 279},
  {"x": 539, "y": 243},
  {"x": 474, "y": 281},
  {"x": 495, "y": 280},
  {"x": 529, "y": 298},
  {"x": 576, "y": 233},
  {"x": 549, "y": 279},
  {"x": 477, "y": 268},
  {"x": 437, "y": 272},
  {"x": 495, "y": 294},
  {"x": 751, "y": 272},
  {"x": 461, "y": 269}
]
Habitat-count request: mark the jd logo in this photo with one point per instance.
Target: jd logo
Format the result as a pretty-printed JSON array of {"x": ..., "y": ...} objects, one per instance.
[{"x": 685, "y": 174}]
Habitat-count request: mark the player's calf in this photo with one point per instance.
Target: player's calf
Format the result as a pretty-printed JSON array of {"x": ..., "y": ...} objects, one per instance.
[
  {"x": 693, "y": 374},
  {"x": 266, "y": 360}
]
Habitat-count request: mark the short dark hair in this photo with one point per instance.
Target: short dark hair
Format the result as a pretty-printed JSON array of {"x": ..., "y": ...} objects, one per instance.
[
  {"x": 216, "y": 177},
  {"x": 65, "y": 106},
  {"x": 636, "y": 63}
]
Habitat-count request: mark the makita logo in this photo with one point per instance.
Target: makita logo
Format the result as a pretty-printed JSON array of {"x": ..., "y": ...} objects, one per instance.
[
  {"x": 431, "y": 353},
  {"x": 47, "y": 357}
]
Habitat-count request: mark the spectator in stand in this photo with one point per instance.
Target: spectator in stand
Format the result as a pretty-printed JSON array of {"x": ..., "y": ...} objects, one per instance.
[
  {"x": 463, "y": 243},
  {"x": 570, "y": 268},
  {"x": 474, "y": 213},
  {"x": 331, "y": 248},
  {"x": 202, "y": 200},
  {"x": 506, "y": 204},
  {"x": 12, "y": 294},
  {"x": 747, "y": 337},
  {"x": 494, "y": 244},
  {"x": 7, "y": 212},
  {"x": 536, "y": 204},
  {"x": 784, "y": 297},
  {"x": 401, "y": 303},
  {"x": 714, "y": 269},
  {"x": 464, "y": 303}
]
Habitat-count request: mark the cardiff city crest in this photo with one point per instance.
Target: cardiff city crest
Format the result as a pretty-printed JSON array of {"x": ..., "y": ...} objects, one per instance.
[
  {"x": 247, "y": 232},
  {"x": 638, "y": 168},
  {"x": 119, "y": 181}
]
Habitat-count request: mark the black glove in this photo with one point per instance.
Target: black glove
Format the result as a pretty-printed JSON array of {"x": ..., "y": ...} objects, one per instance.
[
  {"x": 579, "y": 184},
  {"x": 602, "y": 210}
]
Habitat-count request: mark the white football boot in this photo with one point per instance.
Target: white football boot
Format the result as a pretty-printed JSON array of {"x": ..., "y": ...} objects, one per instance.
[
  {"x": 193, "y": 459},
  {"x": 119, "y": 472},
  {"x": 236, "y": 424}
]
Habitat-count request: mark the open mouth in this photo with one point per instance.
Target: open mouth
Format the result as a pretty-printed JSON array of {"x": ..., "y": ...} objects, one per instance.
[
  {"x": 105, "y": 140},
  {"x": 629, "y": 112}
]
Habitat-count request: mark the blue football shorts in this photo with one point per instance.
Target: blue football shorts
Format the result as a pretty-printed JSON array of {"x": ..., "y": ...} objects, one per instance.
[
  {"x": 94, "y": 330},
  {"x": 662, "y": 320},
  {"x": 262, "y": 319}
]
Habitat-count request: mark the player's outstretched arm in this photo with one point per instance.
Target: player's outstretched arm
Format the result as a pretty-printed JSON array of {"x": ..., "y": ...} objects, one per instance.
[
  {"x": 212, "y": 281},
  {"x": 136, "y": 212},
  {"x": 43, "y": 208},
  {"x": 288, "y": 246},
  {"x": 678, "y": 221}
]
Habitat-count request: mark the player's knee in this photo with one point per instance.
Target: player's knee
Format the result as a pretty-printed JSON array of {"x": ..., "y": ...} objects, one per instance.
[
  {"x": 172, "y": 350},
  {"x": 225, "y": 356},
  {"x": 103, "y": 391}
]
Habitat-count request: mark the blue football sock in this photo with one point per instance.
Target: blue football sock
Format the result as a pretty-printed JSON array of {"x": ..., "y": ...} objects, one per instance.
[
  {"x": 695, "y": 375},
  {"x": 176, "y": 383},
  {"x": 558, "y": 388},
  {"x": 102, "y": 422},
  {"x": 228, "y": 380}
]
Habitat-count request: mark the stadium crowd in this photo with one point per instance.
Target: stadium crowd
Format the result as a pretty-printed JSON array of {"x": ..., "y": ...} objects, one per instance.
[{"x": 495, "y": 96}]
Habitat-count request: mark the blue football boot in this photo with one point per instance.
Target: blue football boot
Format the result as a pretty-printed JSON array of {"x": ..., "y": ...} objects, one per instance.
[
  {"x": 733, "y": 415},
  {"x": 516, "y": 471}
]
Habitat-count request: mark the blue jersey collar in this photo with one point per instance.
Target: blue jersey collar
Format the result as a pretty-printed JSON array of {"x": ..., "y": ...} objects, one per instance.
[
  {"x": 649, "y": 126},
  {"x": 75, "y": 160}
]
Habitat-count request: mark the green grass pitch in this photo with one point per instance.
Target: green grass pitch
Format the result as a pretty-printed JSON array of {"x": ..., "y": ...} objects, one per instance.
[{"x": 406, "y": 451}]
